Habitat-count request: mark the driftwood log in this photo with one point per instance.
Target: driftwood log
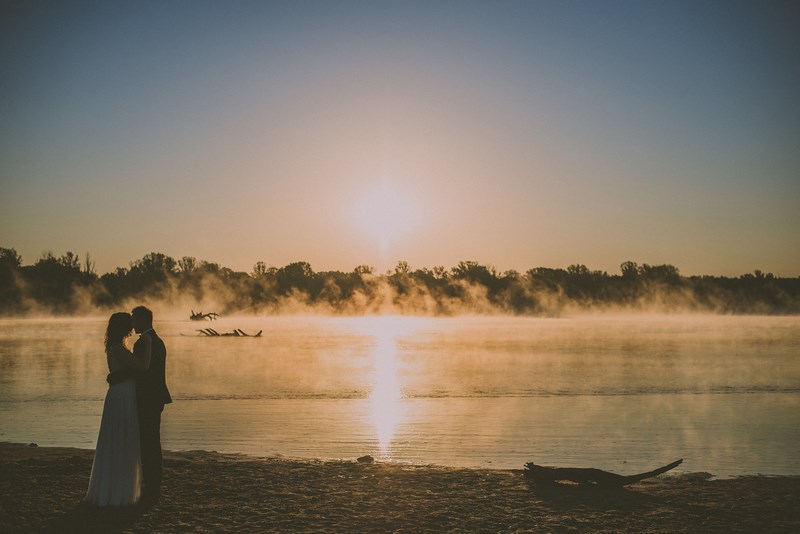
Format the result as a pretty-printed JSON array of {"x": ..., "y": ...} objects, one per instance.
[
  {"x": 590, "y": 476},
  {"x": 210, "y": 332}
]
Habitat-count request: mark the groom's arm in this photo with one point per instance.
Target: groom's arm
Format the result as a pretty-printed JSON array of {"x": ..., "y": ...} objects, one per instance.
[{"x": 142, "y": 351}]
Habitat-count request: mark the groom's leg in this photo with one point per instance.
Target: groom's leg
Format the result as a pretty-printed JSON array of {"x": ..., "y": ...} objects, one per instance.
[
  {"x": 150, "y": 437},
  {"x": 156, "y": 459},
  {"x": 144, "y": 448}
]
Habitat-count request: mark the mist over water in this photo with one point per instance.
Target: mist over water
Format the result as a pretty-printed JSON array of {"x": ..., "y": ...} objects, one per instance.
[{"x": 615, "y": 392}]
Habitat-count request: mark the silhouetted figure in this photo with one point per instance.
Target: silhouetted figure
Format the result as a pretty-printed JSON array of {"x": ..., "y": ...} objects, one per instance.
[
  {"x": 151, "y": 396},
  {"x": 116, "y": 470}
]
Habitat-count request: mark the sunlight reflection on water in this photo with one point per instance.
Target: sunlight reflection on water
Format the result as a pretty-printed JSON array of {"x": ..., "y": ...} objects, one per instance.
[
  {"x": 386, "y": 395},
  {"x": 386, "y": 407}
]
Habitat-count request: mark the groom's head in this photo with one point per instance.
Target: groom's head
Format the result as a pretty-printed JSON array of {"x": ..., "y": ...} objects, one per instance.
[{"x": 142, "y": 319}]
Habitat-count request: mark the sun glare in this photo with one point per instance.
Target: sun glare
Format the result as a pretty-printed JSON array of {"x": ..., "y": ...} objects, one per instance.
[{"x": 385, "y": 213}]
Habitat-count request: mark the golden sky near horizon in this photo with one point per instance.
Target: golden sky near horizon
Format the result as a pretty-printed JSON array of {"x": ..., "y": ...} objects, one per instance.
[{"x": 517, "y": 134}]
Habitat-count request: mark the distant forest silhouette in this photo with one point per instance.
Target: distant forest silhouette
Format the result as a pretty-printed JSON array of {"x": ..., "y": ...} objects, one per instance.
[{"x": 66, "y": 285}]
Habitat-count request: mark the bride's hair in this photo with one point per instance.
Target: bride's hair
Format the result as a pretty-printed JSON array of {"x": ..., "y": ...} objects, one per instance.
[{"x": 119, "y": 326}]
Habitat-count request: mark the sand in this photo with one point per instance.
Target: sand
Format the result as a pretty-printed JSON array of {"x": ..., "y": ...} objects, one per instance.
[{"x": 41, "y": 490}]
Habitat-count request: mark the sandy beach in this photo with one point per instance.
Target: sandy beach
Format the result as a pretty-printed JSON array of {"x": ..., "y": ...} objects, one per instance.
[{"x": 41, "y": 491}]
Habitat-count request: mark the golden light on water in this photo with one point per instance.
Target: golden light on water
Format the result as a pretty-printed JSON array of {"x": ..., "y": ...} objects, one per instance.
[
  {"x": 386, "y": 394},
  {"x": 387, "y": 410}
]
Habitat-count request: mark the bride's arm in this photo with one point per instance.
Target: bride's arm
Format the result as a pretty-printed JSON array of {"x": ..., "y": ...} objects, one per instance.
[{"x": 140, "y": 359}]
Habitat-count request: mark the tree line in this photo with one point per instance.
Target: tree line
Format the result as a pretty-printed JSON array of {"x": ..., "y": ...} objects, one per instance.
[{"x": 68, "y": 284}]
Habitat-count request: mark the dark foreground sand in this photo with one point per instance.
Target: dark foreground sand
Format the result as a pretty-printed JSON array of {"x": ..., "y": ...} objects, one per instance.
[{"x": 41, "y": 490}]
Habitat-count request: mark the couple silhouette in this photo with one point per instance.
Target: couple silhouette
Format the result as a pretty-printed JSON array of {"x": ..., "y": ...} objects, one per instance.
[{"x": 127, "y": 466}]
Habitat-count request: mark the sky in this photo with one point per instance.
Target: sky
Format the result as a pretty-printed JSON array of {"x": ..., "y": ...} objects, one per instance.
[{"x": 515, "y": 134}]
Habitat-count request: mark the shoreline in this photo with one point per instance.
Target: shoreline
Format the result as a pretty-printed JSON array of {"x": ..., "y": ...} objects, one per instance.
[{"x": 42, "y": 488}]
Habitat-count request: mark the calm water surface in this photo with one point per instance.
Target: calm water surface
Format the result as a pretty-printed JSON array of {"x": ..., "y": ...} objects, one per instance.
[{"x": 619, "y": 393}]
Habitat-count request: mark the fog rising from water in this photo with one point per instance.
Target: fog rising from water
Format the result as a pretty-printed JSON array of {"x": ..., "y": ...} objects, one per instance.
[
  {"x": 471, "y": 288},
  {"x": 61, "y": 286},
  {"x": 307, "y": 356}
]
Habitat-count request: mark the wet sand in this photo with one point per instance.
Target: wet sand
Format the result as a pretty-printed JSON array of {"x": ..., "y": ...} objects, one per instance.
[{"x": 41, "y": 491}]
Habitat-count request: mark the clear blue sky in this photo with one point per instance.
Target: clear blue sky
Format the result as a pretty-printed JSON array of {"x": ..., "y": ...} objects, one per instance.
[{"x": 518, "y": 134}]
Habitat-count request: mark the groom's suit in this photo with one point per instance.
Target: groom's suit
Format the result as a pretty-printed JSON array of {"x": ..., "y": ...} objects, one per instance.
[{"x": 151, "y": 396}]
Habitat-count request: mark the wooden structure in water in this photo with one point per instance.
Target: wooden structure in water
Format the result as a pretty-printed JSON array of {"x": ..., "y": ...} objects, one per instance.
[
  {"x": 200, "y": 316},
  {"x": 210, "y": 332}
]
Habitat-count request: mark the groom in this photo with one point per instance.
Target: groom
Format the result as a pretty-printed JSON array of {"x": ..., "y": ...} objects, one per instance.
[{"x": 151, "y": 396}]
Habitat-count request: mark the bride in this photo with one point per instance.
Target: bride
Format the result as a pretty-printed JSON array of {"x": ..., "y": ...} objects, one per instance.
[{"x": 116, "y": 478}]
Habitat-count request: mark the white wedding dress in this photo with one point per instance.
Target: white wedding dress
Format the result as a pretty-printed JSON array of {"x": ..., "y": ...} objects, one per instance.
[{"x": 116, "y": 478}]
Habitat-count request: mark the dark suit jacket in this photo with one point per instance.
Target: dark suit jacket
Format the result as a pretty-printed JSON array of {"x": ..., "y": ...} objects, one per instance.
[{"x": 151, "y": 385}]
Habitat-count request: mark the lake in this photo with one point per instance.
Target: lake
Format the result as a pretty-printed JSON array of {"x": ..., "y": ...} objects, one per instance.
[{"x": 621, "y": 393}]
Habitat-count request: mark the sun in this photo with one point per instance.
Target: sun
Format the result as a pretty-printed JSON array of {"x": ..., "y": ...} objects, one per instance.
[{"x": 385, "y": 213}]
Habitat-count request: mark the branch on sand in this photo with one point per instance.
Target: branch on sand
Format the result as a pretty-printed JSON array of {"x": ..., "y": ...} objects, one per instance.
[{"x": 590, "y": 476}]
